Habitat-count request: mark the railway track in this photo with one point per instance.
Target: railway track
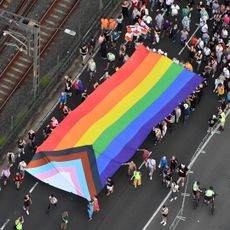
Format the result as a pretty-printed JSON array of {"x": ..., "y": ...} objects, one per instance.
[
  {"x": 4, "y": 4},
  {"x": 21, "y": 64},
  {"x": 23, "y": 8}
]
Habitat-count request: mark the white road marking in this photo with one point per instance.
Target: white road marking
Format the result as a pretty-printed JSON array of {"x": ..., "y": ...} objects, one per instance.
[
  {"x": 32, "y": 189},
  {"x": 189, "y": 166},
  {"x": 4, "y": 225}
]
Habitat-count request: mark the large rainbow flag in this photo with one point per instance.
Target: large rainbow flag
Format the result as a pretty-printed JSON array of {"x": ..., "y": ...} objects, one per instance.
[{"x": 107, "y": 128}]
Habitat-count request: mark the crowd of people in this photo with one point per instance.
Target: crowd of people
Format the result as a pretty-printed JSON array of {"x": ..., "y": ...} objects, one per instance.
[{"x": 147, "y": 22}]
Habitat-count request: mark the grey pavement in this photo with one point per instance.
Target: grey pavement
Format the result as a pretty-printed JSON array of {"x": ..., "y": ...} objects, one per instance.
[
  {"x": 127, "y": 208},
  {"x": 211, "y": 168}
]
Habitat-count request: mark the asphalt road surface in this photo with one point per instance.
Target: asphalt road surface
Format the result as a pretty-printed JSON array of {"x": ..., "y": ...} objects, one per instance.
[{"x": 127, "y": 208}]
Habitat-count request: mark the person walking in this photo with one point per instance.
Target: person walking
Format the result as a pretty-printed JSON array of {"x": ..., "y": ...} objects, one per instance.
[
  {"x": 173, "y": 164},
  {"x": 63, "y": 100},
  {"x": 151, "y": 166},
  {"x": 64, "y": 220},
  {"x": 182, "y": 172},
  {"x": 83, "y": 51},
  {"x": 5, "y": 174},
  {"x": 110, "y": 60},
  {"x": 164, "y": 213},
  {"x": 174, "y": 190},
  {"x": 146, "y": 154},
  {"x": 90, "y": 210},
  {"x": 163, "y": 163},
  {"x": 18, "y": 180},
  {"x": 31, "y": 136},
  {"x": 109, "y": 186},
  {"x": 21, "y": 146},
  {"x": 211, "y": 123},
  {"x": 131, "y": 167},
  {"x": 26, "y": 204},
  {"x": 222, "y": 118},
  {"x": 91, "y": 67},
  {"x": 22, "y": 167},
  {"x": 136, "y": 178},
  {"x": 96, "y": 207},
  {"x": 18, "y": 224},
  {"x": 52, "y": 202},
  {"x": 10, "y": 158}
]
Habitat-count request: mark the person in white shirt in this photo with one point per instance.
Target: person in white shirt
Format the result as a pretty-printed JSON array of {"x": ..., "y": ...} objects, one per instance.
[
  {"x": 22, "y": 167},
  {"x": 226, "y": 72},
  {"x": 219, "y": 52},
  {"x": 151, "y": 166},
  {"x": 174, "y": 9},
  {"x": 174, "y": 189},
  {"x": 207, "y": 52},
  {"x": 147, "y": 19},
  {"x": 91, "y": 68}
]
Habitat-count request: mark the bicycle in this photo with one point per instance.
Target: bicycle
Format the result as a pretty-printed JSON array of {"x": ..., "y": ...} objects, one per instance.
[
  {"x": 196, "y": 199},
  {"x": 212, "y": 205}
]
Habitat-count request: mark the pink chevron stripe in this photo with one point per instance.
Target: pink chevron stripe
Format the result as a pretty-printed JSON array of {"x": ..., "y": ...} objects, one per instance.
[{"x": 57, "y": 169}]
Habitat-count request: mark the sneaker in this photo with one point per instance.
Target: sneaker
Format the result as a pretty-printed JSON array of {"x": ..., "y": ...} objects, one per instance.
[
  {"x": 164, "y": 223},
  {"x": 171, "y": 200}
]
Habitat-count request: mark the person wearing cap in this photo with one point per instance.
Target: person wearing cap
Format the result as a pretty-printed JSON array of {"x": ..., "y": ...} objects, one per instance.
[
  {"x": 211, "y": 122},
  {"x": 182, "y": 173}
]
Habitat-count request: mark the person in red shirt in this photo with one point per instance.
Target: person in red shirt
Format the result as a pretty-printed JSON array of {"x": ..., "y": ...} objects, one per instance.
[
  {"x": 146, "y": 154},
  {"x": 18, "y": 180}
]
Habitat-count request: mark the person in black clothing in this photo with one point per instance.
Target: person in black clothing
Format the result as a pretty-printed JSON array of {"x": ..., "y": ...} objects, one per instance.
[
  {"x": 109, "y": 186},
  {"x": 103, "y": 49},
  {"x": 84, "y": 95},
  {"x": 68, "y": 85},
  {"x": 31, "y": 136},
  {"x": 92, "y": 45},
  {"x": 173, "y": 163},
  {"x": 47, "y": 131},
  {"x": 83, "y": 52},
  {"x": 182, "y": 172},
  {"x": 211, "y": 122},
  {"x": 21, "y": 146}
]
